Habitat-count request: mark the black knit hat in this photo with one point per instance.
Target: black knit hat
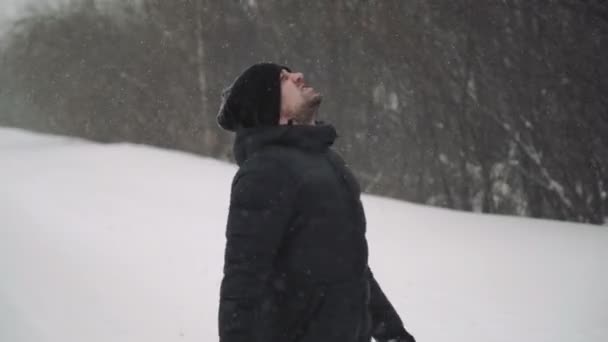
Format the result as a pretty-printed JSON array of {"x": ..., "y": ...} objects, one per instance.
[{"x": 253, "y": 99}]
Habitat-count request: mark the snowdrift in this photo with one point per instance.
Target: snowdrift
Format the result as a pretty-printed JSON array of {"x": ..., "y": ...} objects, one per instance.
[{"x": 122, "y": 242}]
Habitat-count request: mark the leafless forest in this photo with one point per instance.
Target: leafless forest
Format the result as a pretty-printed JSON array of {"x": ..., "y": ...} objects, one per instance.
[{"x": 489, "y": 106}]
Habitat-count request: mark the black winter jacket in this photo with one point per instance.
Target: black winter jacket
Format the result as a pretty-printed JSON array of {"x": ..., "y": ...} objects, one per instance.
[{"x": 296, "y": 253}]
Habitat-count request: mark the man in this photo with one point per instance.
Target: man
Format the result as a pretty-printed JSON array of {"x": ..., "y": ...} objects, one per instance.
[{"x": 296, "y": 253}]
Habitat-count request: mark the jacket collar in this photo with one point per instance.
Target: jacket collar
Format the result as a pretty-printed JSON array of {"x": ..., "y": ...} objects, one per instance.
[{"x": 312, "y": 138}]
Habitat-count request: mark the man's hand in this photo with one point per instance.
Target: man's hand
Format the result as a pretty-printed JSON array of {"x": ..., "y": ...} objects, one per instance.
[{"x": 404, "y": 338}]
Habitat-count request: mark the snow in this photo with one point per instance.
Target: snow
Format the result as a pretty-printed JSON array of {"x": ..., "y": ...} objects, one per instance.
[{"x": 124, "y": 242}]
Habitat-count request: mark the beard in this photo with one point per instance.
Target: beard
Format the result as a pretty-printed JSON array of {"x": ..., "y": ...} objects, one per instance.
[{"x": 307, "y": 113}]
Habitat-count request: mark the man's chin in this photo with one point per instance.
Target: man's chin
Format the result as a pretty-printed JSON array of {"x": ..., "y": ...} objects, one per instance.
[{"x": 316, "y": 100}]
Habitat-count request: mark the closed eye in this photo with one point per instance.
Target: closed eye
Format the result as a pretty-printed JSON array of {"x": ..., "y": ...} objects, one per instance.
[{"x": 284, "y": 75}]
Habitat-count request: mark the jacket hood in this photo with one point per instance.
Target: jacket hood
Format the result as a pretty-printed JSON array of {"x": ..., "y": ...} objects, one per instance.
[{"x": 313, "y": 138}]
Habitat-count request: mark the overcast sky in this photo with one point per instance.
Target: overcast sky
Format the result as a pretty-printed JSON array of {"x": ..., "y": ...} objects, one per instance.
[
  {"x": 11, "y": 9},
  {"x": 7, "y": 7}
]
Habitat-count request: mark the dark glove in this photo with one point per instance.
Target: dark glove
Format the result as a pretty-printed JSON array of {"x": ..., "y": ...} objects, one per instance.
[{"x": 405, "y": 338}]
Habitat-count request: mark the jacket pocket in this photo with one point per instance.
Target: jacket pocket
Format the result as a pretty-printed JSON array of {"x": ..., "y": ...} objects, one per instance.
[{"x": 302, "y": 319}]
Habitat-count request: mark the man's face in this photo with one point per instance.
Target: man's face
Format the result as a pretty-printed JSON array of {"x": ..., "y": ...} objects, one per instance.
[{"x": 299, "y": 101}]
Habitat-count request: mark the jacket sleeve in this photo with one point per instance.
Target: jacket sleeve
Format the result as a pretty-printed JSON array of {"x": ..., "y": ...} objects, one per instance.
[
  {"x": 386, "y": 323},
  {"x": 260, "y": 209}
]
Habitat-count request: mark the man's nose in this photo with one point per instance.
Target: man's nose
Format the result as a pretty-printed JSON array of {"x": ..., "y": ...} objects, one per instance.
[{"x": 298, "y": 77}]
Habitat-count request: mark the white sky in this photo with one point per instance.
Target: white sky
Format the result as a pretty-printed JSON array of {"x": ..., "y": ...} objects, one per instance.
[{"x": 7, "y": 8}]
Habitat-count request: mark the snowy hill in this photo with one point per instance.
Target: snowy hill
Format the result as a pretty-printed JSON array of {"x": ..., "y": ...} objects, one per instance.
[{"x": 125, "y": 243}]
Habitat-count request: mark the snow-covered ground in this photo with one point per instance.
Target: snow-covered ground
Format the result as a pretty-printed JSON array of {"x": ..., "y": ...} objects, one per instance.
[{"x": 125, "y": 243}]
